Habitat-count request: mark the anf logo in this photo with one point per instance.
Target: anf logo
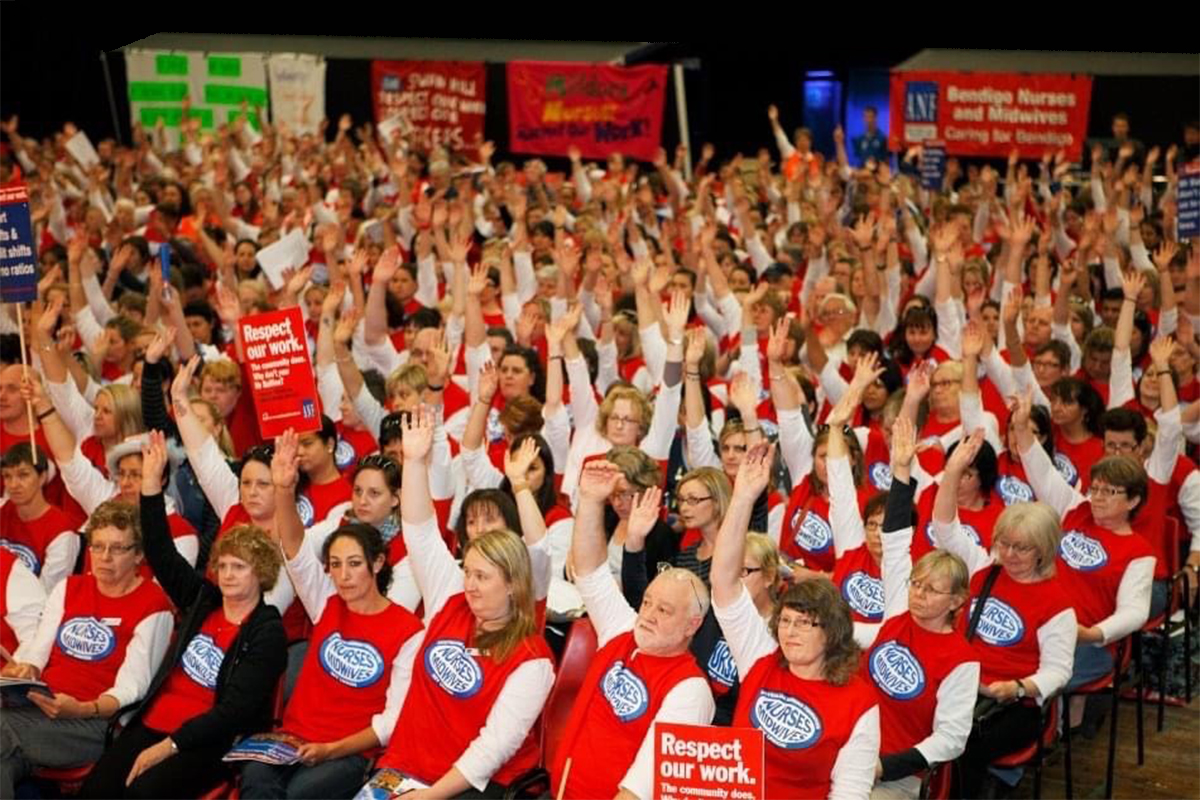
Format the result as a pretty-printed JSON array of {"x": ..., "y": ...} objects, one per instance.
[
  {"x": 625, "y": 692},
  {"x": 721, "y": 667},
  {"x": 453, "y": 669},
  {"x": 785, "y": 721},
  {"x": 920, "y": 101},
  {"x": 309, "y": 409},
  {"x": 391, "y": 83}
]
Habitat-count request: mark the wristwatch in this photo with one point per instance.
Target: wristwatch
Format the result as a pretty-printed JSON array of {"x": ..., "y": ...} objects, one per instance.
[{"x": 1021, "y": 693}]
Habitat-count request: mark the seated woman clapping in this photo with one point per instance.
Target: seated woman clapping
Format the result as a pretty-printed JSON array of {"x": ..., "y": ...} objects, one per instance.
[
  {"x": 799, "y": 674},
  {"x": 483, "y": 671},
  {"x": 200, "y": 700}
]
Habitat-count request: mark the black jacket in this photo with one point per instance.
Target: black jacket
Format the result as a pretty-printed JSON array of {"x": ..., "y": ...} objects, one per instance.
[{"x": 247, "y": 680}]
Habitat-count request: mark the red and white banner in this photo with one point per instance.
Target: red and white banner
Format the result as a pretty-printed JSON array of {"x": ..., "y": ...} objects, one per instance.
[
  {"x": 281, "y": 372},
  {"x": 703, "y": 761},
  {"x": 598, "y": 108},
  {"x": 442, "y": 101},
  {"x": 990, "y": 113}
]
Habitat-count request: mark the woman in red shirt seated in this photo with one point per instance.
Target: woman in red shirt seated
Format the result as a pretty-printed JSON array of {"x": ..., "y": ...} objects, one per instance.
[
  {"x": 799, "y": 674},
  {"x": 199, "y": 701}
]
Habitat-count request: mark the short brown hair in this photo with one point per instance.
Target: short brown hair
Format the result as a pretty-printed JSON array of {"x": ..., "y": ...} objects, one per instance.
[
  {"x": 638, "y": 468},
  {"x": 222, "y": 371},
  {"x": 822, "y": 601},
  {"x": 1125, "y": 473},
  {"x": 634, "y": 396},
  {"x": 251, "y": 544},
  {"x": 115, "y": 514},
  {"x": 522, "y": 415}
]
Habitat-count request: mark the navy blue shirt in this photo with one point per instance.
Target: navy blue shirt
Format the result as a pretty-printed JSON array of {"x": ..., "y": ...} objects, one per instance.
[{"x": 870, "y": 145}]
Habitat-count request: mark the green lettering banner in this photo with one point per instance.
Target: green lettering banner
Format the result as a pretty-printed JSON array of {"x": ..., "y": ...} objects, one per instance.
[
  {"x": 155, "y": 92},
  {"x": 223, "y": 94},
  {"x": 224, "y": 67},
  {"x": 167, "y": 64},
  {"x": 172, "y": 117}
]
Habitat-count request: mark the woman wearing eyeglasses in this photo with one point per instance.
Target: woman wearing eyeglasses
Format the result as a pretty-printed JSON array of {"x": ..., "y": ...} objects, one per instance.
[
  {"x": 483, "y": 671},
  {"x": 1106, "y": 567},
  {"x": 100, "y": 639},
  {"x": 219, "y": 677},
  {"x": 926, "y": 673},
  {"x": 799, "y": 673},
  {"x": 1024, "y": 633}
]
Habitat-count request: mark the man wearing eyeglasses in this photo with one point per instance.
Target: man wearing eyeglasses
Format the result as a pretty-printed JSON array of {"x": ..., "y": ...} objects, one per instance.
[{"x": 643, "y": 671}]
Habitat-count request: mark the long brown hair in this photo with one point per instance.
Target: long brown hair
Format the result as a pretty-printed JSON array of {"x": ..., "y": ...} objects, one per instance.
[{"x": 821, "y": 600}]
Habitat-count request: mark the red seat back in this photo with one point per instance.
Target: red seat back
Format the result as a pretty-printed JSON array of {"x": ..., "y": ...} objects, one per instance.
[
  {"x": 1019, "y": 758},
  {"x": 577, "y": 656}
]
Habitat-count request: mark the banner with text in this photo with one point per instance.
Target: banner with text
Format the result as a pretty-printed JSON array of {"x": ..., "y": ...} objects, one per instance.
[
  {"x": 598, "y": 108},
  {"x": 443, "y": 102},
  {"x": 297, "y": 91},
  {"x": 281, "y": 372},
  {"x": 18, "y": 252},
  {"x": 700, "y": 761},
  {"x": 990, "y": 113},
  {"x": 215, "y": 83},
  {"x": 1187, "y": 217}
]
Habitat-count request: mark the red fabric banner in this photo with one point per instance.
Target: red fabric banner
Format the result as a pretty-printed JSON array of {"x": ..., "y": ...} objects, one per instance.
[
  {"x": 444, "y": 101},
  {"x": 281, "y": 372},
  {"x": 598, "y": 108},
  {"x": 990, "y": 113}
]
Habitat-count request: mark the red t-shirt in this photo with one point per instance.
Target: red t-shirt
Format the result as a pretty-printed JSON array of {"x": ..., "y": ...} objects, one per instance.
[{"x": 191, "y": 688}]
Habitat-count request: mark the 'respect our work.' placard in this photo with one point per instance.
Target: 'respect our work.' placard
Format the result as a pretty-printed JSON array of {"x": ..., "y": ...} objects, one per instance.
[
  {"x": 703, "y": 761},
  {"x": 18, "y": 254},
  {"x": 280, "y": 370}
]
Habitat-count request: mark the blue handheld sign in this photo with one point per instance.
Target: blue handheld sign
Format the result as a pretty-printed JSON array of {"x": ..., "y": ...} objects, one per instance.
[
  {"x": 18, "y": 252},
  {"x": 933, "y": 165},
  {"x": 164, "y": 257},
  {"x": 1187, "y": 219}
]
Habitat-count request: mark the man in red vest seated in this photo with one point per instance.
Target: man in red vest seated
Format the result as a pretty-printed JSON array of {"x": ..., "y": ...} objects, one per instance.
[{"x": 643, "y": 671}]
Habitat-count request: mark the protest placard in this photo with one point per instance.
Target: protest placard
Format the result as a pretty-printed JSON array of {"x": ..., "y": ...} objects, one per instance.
[
  {"x": 289, "y": 252},
  {"x": 599, "y": 108},
  {"x": 990, "y": 113},
  {"x": 443, "y": 101},
  {"x": 933, "y": 165},
  {"x": 280, "y": 371},
  {"x": 18, "y": 254},
  {"x": 701, "y": 761},
  {"x": 1187, "y": 219},
  {"x": 297, "y": 90},
  {"x": 81, "y": 149}
]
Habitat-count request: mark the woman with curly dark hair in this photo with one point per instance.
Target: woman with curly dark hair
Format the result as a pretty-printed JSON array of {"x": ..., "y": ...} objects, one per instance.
[{"x": 799, "y": 674}]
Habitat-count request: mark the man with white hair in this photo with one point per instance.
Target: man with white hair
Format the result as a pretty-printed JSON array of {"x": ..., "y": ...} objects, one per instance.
[{"x": 643, "y": 671}]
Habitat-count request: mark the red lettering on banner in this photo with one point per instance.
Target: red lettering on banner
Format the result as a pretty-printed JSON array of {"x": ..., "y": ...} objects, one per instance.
[
  {"x": 281, "y": 373},
  {"x": 443, "y": 101},
  {"x": 702, "y": 761},
  {"x": 990, "y": 113},
  {"x": 598, "y": 108}
]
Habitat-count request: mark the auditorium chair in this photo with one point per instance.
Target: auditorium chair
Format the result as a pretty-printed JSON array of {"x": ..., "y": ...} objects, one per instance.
[
  {"x": 1034, "y": 754},
  {"x": 1110, "y": 683}
]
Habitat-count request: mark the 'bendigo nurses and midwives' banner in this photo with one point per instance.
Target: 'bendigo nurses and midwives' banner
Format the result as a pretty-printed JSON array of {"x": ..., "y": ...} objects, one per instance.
[
  {"x": 596, "y": 107},
  {"x": 990, "y": 113},
  {"x": 442, "y": 101}
]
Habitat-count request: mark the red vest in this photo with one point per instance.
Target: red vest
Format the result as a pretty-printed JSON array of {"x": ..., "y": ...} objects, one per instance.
[
  {"x": 8, "y": 637},
  {"x": 1075, "y": 461},
  {"x": 315, "y": 502},
  {"x": 857, "y": 576},
  {"x": 452, "y": 692},
  {"x": 977, "y": 524},
  {"x": 617, "y": 702},
  {"x": 89, "y": 646},
  {"x": 1006, "y": 639},
  {"x": 805, "y": 724},
  {"x": 296, "y": 624},
  {"x": 191, "y": 688},
  {"x": 1091, "y": 562},
  {"x": 806, "y": 531},
  {"x": 347, "y": 670},
  {"x": 907, "y": 666},
  {"x": 878, "y": 460},
  {"x": 28, "y": 540}
]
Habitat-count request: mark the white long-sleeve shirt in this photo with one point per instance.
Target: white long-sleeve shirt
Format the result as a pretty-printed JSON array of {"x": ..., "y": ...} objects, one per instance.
[
  {"x": 314, "y": 588},
  {"x": 24, "y": 597},
  {"x": 143, "y": 654},
  {"x": 519, "y": 703},
  {"x": 689, "y": 702}
]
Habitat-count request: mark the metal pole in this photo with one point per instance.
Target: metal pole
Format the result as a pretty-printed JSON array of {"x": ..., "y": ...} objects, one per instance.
[
  {"x": 681, "y": 111},
  {"x": 112, "y": 99}
]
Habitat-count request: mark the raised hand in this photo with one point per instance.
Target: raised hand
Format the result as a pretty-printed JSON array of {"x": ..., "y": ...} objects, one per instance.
[
  {"x": 863, "y": 232},
  {"x": 386, "y": 266},
  {"x": 777, "y": 344},
  {"x": 1160, "y": 351},
  {"x": 154, "y": 461},
  {"x": 344, "y": 331},
  {"x": 518, "y": 461},
  {"x": 1020, "y": 408},
  {"x": 754, "y": 474},
  {"x": 973, "y": 339},
  {"x": 866, "y": 372},
  {"x": 772, "y": 113},
  {"x": 1165, "y": 254},
  {"x": 676, "y": 315},
  {"x": 163, "y": 339},
  {"x": 904, "y": 443},
  {"x": 229, "y": 307},
  {"x": 478, "y": 281},
  {"x": 299, "y": 280},
  {"x": 559, "y": 329},
  {"x": 1132, "y": 284},
  {"x": 697, "y": 344},
  {"x": 333, "y": 299},
  {"x": 743, "y": 393},
  {"x": 437, "y": 364},
  {"x": 417, "y": 435},
  {"x": 918, "y": 381},
  {"x": 488, "y": 382},
  {"x": 181, "y": 386},
  {"x": 645, "y": 511},
  {"x": 965, "y": 453},
  {"x": 47, "y": 320},
  {"x": 598, "y": 480}
]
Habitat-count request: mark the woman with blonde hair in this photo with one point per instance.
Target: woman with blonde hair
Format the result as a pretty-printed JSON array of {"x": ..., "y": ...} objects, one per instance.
[
  {"x": 799, "y": 672},
  {"x": 1022, "y": 624},
  {"x": 761, "y": 572},
  {"x": 926, "y": 673},
  {"x": 483, "y": 671}
]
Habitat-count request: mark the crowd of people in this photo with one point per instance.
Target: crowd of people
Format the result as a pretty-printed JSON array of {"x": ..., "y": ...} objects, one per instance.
[{"x": 878, "y": 469}]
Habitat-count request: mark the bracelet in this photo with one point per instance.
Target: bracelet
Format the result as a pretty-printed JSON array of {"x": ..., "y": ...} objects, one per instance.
[
  {"x": 45, "y": 414},
  {"x": 520, "y": 487},
  {"x": 1128, "y": 300},
  {"x": 431, "y": 388},
  {"x": 174, "y": 747},
  {"x": 557, "y": 358},
  {"x": 755, "y": 429},
  {"x": 1162, "y": 372}
]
